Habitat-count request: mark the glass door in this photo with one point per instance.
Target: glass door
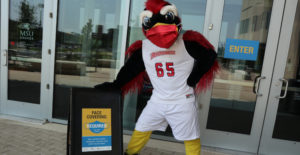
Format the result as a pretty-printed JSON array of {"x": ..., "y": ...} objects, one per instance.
[
  {"x": 23, "y": 57},
  {"x": 245, "y": 34},
  {"x": 281, "y": 133}
]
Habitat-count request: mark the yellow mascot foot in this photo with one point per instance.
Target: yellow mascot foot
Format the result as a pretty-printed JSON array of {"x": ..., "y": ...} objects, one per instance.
[
  {"x": 192, "y": 147},
  {"x": 137, "y": 142}
]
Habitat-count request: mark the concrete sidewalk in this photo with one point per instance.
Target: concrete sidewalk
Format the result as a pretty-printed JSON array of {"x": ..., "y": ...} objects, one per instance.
[{"x": 29, "y": 138}]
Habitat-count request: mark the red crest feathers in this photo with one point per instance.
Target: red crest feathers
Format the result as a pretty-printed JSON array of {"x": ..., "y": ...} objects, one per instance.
[{"x": 155, "y": 5}]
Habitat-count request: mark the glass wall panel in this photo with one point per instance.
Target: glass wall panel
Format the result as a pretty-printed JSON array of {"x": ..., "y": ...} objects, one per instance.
[
  {"x": 287, "y": 124},
  {"x": 88, "y": 42},
  {"x": 25, "y": 50},
  {"x": 192, "y": 14},
  {"x": 233, "y": 101}
]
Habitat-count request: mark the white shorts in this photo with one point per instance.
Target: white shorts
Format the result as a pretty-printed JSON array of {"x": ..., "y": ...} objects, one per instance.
[{"x": 183, "y": 119}]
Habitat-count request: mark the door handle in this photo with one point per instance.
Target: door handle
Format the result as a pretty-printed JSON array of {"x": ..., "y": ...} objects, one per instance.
[
  {"x": 6, "y": 57},
  {"x": 286, "y": 88},
  {"x": 256, "y": 85}
]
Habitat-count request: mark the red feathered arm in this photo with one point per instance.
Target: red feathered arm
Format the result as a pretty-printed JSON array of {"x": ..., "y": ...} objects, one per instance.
[
  {"x": 132, "y": 74},
  {"x": 206, "y": 66},
  {"x": 137, "y": 45},
  {"x": 207, "y": 79}
]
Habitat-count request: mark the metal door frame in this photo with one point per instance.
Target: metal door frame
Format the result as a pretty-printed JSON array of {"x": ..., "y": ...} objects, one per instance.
[
  {"x": 271, "y": 145},
  {"x": 229, "y": 140},
  {"x": 23, "y": 109}
]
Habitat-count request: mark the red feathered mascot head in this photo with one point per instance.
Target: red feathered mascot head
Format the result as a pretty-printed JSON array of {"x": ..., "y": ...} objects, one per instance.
[{"x": 161, "y": 24}]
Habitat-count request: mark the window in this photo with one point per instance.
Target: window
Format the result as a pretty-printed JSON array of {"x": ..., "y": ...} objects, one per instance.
[{"x": 88, "y": 43}]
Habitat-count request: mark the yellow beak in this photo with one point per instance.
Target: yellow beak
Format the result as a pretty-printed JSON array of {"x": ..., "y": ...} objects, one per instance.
[{"x": 162, "y": 24}]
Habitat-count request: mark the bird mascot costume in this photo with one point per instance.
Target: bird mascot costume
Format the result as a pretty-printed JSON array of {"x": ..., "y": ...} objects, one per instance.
[{"x": 179, "y": 65}]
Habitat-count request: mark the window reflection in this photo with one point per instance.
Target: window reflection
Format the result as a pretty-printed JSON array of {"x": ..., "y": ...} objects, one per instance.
[
  {"x": 25, "y": 50},
  {"x": 233, "y": 102},
  {"x": 192, "y": 14},
  {"x": 87, "y": 47}
]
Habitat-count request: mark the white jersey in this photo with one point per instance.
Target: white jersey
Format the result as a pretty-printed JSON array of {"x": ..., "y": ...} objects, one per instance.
[{"x": 168, "y": 70}]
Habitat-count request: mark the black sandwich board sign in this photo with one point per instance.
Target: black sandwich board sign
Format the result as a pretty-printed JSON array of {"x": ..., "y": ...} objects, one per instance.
[{"x": 95, "y": 122}]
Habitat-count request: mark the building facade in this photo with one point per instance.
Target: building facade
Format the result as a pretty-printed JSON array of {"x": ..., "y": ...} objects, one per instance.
[{"x": 49, "y": 47}]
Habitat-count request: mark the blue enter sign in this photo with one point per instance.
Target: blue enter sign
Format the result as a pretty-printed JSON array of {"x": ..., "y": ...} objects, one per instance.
[{"x": 241, "y": 49}]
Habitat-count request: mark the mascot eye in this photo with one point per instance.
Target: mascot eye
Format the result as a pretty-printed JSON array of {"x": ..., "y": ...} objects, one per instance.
[
  {"x": 169, "y": 17},
  {"x": 146, "y": 21}
]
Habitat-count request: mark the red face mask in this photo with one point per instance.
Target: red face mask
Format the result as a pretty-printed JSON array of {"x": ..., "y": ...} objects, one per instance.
[{"x": 163, "y": 35}]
